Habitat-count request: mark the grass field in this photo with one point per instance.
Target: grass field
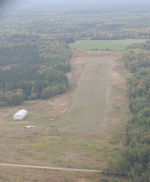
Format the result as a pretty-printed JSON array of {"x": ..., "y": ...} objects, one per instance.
[
  {"x": 87, "y": 136},
  {"x": 91, "y": 101},
  {"x": 97, "y": 111},
  {"x": 117, "y": 45},
  {"x": 32, "y": 175}
]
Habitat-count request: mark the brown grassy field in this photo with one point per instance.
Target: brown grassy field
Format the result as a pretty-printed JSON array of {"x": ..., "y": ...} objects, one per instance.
[
  {"x": 31, "y": 175},
  {"x": 83, "y": 128}
]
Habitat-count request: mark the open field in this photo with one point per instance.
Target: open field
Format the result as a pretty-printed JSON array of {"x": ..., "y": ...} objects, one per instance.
[
  {"x": 34, "y": 175},
  {"x": 92, "y": 100},
  {"x": 117, "y": 45},
  {"x": 38, "y": 175},
  {"x": 83, "y": 128}
]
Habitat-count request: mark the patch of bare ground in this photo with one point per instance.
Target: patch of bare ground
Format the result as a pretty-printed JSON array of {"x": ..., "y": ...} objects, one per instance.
[
  {"x": 119, "y": 110},
  {"x": 116, "y": 98}
]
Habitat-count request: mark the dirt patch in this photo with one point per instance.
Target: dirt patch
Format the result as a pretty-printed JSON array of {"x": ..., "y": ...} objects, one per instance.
[
  {"x": 116, "y": 77},
  {"x": 119, "y": 112}
]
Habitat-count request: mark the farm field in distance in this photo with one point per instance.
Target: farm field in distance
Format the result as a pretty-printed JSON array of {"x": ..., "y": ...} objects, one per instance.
[
  {"x": 116, "y": 45},
  {"x": 64, "y": 136}
]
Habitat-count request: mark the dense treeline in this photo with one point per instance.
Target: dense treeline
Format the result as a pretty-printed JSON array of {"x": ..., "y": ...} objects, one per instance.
[
  {"x": 72, "y": 26},
  {"x": 135, "y": 159},
  {"x": 32, "y": 67}
]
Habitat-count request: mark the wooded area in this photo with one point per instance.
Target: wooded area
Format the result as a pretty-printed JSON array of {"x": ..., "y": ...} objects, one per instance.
[
  {"x": 135, "y": 158},
  {"x": 32, "y": 67}
]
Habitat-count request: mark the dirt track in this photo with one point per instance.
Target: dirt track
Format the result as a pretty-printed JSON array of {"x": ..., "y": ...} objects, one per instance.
[{"x": 51, "y": 168}]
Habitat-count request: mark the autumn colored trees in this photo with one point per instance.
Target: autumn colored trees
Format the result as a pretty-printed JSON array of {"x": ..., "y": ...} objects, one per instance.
[
  {"x": 32, "y": 69},
  {"x": 134, "y": 161}
]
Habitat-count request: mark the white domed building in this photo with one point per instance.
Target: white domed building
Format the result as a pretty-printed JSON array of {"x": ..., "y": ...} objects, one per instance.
[{"x": 20, "y": 114}]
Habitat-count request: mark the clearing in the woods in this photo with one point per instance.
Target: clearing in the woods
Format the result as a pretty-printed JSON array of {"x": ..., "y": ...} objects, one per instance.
[{"x": 80, "y": 129}]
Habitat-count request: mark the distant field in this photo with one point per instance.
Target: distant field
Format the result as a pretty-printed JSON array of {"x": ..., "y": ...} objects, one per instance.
[{"x": 117, "y": 45}]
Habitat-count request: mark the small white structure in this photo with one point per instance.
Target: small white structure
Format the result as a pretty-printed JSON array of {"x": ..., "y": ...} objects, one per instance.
[
  {"x": 29, "y": 126},
  {"x": 20, "y": 114}
]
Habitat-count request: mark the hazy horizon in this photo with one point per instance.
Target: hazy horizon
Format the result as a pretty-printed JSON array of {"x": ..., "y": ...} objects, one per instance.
[{"x": 67, "y": 4}]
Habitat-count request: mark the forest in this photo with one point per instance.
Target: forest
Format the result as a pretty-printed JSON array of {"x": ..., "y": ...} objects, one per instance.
[
  {"x": 32, "y": 67},
  {"x": 134, "y": 161}
]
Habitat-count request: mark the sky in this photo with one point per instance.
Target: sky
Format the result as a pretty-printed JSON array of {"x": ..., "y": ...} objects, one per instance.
[{"x": 73, "y": 4}]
